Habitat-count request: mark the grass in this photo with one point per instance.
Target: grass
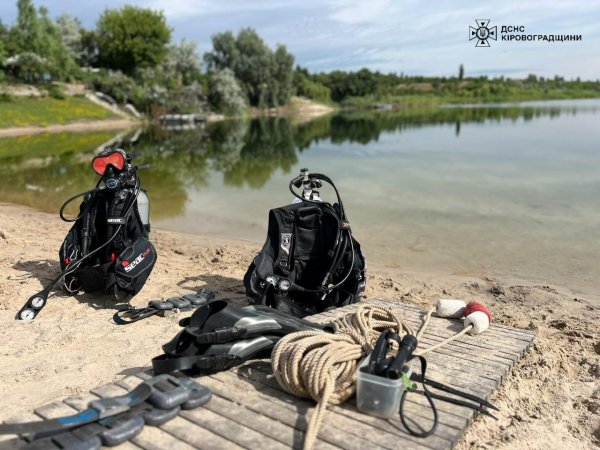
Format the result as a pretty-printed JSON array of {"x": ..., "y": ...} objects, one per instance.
[
  {"x": 27, "y": 112},
  {"x": 433, "y": 99},
  {"x": 51, "y": 144}
]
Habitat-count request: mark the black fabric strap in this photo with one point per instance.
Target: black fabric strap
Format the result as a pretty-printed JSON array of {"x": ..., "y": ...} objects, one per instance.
[
  {"x": 118, "y": 214},
  {"x": 220, "y": 336},
  {"x": 167, "y": 364},
  {"x": 285, "y": 224}
]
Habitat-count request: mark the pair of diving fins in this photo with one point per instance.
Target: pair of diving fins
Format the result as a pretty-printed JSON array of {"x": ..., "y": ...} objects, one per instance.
[{"x": 220, "y": 335}]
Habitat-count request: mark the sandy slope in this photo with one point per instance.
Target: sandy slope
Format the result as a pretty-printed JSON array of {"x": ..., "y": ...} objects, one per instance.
[{"x": 551, "y": 400}]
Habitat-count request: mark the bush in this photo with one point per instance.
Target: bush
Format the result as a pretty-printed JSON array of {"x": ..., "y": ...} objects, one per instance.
[
  {"x": 115, "y": 84},
  {"x": 315, "y": 91},
  {"x": 225, "y": 93},
  {"x": 29, "y": 67},
  {"x": 55, "y": 91}
]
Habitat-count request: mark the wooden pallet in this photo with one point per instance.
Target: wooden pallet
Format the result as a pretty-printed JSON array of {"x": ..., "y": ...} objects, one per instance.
[{"x": 249, "y": 410}]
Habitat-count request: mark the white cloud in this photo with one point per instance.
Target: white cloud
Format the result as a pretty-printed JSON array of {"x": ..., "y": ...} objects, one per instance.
[
  {"x": 176, "y": 9},
  {"x": 358, "y": 11},
  {"x": 409, "y": 36}
]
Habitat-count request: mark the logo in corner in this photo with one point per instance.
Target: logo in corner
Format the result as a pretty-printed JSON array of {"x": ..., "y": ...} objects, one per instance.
[
  {"x": 286, "y": 242},
  {"x": 483, "y": 32}
]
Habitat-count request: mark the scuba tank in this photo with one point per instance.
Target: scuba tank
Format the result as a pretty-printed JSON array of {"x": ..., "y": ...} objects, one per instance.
[{"x": 143, "y": 206}]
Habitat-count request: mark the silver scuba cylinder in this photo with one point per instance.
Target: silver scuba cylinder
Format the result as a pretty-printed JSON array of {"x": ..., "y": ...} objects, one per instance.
[{"x": 143, "y": 205}]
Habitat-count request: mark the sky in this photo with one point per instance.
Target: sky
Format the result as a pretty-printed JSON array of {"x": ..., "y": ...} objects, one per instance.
[{"x": 403, "y": 36}]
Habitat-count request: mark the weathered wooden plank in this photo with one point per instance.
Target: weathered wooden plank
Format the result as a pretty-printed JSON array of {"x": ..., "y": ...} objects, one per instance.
[
  {"x": 54, "y": 410},
  {"x": 202, "y": 419},
  {"x": 336, "y": 430},
  {"x": 277, "y": 416},
  {"x": 262, "y": 374},
  {"x": 231, "y": 430},
  {"x": 153, "y": 438},
  {"x": 196, "y": 436},
  {"x": 239, "y": 413},
  {"x": 12, "y": 443},
  {"x": 250, "y": 410},
  {"x": 332, "y": 420}
]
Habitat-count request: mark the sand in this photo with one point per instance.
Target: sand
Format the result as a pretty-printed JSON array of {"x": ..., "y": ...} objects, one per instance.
[{"x": 551, "y": 400}]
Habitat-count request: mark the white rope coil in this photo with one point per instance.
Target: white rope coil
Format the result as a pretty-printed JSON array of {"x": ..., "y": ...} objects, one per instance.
[{"x": 322, "y": 366}]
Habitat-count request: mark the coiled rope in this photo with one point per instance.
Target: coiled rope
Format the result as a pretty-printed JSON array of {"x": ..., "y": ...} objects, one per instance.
[{"x": 322, "y": 366}]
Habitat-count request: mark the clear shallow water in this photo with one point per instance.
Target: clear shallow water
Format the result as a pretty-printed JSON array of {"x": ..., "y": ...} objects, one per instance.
[{"x": 505, "y": 190}]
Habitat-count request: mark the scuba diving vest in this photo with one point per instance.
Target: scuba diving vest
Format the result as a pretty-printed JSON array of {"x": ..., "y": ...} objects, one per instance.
[
  {"x": 109, "y": 238},
  {"x": 310, "y": 261}
]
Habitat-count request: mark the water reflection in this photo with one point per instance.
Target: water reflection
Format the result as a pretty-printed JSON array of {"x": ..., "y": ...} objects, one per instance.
[{"x": 43, "y": 170}]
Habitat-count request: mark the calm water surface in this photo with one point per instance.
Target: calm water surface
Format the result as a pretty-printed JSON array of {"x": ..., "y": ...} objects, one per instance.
[{"x": 501, "y": 190}]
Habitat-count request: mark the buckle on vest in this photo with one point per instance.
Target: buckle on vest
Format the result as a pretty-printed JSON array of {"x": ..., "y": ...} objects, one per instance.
[{"x": 344, "y": 225}]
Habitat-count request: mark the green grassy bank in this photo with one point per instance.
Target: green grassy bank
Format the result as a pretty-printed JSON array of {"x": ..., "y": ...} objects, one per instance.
[{"x": 31, "y": 112}]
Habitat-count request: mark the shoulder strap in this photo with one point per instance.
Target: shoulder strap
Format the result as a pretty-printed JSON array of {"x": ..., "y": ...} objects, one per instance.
[
  {"x": 117, "y": 215},
  {"x": 285, "y": 225}
]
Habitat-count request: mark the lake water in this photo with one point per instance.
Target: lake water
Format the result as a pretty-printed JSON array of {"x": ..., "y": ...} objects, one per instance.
[{"x": 486, "y": 190}]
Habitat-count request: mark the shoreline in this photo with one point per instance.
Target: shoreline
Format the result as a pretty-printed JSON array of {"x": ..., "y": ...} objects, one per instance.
[
  {"x": 550, "y": 400},
  {"x": 73, "y": 127},
  {"x": 298, "y": 111}
]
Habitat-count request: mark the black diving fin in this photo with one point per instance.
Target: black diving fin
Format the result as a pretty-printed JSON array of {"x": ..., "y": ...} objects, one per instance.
[
  {"x": 216, "y": 357},
  {"x": 219, "y": 322},
  {"x": 220, "y": 335}
]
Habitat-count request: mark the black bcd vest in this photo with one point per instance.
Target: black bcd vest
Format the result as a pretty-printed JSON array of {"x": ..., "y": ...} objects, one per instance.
[
  {"x": 305, "y": 242},
  {"x": 123, "y": 265}
]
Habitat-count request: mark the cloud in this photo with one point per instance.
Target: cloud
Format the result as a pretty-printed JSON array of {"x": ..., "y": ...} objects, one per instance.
[
  {"x": 407, "y": 36},
  {"x": 177, "y": 9},
  {"x": 358, "y": 11}
]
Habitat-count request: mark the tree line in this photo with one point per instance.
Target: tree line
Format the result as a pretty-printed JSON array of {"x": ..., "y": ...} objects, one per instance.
[{"x": 130, "y": 56}]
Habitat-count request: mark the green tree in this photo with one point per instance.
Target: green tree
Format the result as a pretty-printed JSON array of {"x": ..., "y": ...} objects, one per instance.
[
  {"x": 283, "y": 63},
  {"x": 26, "y": 35},
  {"x": 131, "y": 38},
  {"x": 265, "y": 76},
  {"x": 304, "y": 86},
  {"x": 225, "y": 94},
  {"x": 3, "y": 42},
  {"x": 62, "y": 64},
  {"x": 36, "y": 43},
  {"x": 184, "y": 62},
  {"x": 70, "y": 32},
  {"x": 89, "y": 48}
]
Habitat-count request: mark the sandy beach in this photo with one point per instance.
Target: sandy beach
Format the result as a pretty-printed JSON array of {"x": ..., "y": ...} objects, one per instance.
[{"x": 550, "y": 401}]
